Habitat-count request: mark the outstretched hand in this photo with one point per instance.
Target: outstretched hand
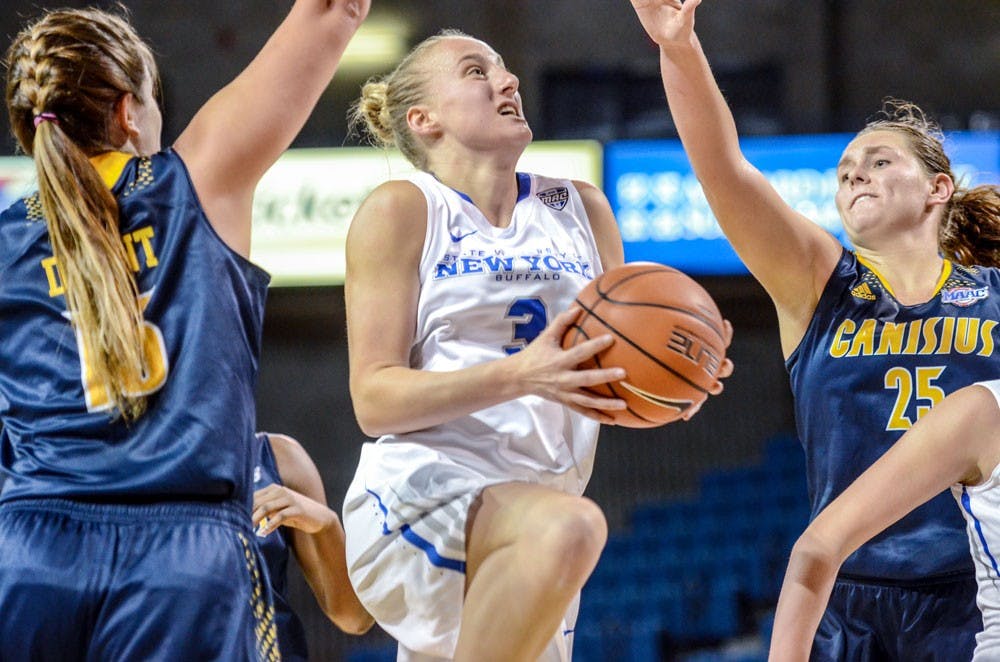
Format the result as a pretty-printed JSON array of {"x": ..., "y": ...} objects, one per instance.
[
  {"x": 667, "y": 21},
  {"x": 552, "y": 372}
]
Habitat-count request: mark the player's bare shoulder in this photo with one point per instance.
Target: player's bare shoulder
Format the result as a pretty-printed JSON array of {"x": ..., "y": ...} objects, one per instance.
[
  {"x": 602, "y": 224},
  {"x": 393, "y": 214},
  {"x": 398, "y": 201}
]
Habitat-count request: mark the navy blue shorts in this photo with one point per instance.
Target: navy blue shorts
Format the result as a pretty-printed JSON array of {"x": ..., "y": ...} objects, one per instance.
[
  {"x": 868, "y": 622},
  {"x": 173, "y": 581}
]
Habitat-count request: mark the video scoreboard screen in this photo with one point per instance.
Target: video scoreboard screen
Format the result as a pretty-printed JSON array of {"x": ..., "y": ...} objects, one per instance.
[{"x": 664, "y": 217}]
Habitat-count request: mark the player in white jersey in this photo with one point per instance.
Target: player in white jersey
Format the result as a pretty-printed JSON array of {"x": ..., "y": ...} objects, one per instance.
[
  {"x": 956, "y": 444},
  {"x": 467, "y": 533}
]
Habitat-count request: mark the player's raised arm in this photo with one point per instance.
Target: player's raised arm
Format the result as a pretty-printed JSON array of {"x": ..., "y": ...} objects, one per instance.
[
  {"x": 791, "y": 256},
  {"x": 242, "y": 130}
]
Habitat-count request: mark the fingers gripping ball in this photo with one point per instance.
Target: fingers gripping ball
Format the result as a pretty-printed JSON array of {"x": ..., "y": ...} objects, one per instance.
[{"x": 668, "y": 337}]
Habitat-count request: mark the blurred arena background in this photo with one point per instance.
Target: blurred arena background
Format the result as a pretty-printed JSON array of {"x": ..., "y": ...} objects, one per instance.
[{"x": 587, "y": 71}]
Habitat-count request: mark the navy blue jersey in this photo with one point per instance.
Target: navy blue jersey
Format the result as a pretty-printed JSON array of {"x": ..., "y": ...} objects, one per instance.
[
  {"x": 275, "y": 548},
  {"x": 866, "y": 370},
  {"x": 203, "y": 306}
]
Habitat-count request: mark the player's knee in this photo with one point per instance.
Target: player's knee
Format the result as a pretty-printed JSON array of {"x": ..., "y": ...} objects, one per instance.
[{"x": 574, "y": 538}]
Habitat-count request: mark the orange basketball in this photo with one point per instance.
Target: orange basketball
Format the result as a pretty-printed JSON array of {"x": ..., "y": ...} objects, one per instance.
[{"x": 668, "y": 338}]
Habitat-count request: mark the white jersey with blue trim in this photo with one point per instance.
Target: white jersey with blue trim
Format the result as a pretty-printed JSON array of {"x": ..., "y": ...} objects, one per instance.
[
  {"x": 485, "y": 292},
  {"x": 980, "y": 505}
]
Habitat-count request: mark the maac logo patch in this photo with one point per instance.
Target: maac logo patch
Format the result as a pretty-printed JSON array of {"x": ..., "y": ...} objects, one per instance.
[
  {"x": 554, "y": 197},
  {"x": 964, "y": 296}
]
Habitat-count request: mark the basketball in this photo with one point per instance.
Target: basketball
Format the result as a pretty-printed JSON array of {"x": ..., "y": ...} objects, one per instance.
[{"x": 668, "y": 337}]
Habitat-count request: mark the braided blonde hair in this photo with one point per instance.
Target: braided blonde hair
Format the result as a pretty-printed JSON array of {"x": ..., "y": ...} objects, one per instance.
[{"x": 75, "y": 66}]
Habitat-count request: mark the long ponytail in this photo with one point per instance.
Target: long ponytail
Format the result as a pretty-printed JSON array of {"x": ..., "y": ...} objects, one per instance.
[{"x": 66, "y": 73}]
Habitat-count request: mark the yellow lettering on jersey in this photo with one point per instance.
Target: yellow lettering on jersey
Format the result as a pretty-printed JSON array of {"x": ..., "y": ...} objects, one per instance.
[
  {"x": 133, "y": 259},
  {"x": 930, "y": 335},
  {"x": 967, "y": 333},
  {"x": 864, "y": 341},
  {"x": 891, "y": 339},
  {"x": 899, "y": 379},
  {"x": 987, "y": 336},
  {"x": 934, "y": 335},
  {"x": 154, "y": 370},
  {"x": 916, "y": 386},
  {"x": 926, "y": 389},
  {"x": 840, "y": 345},
  {"x": 51, "y": 266},
  {"x": 947, "y": 335},
  {"x": 142, "y": 236},
  {"x": 912, "y": 337}
]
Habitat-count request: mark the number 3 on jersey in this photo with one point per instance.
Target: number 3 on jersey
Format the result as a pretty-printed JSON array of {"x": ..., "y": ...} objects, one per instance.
[
  {"x": 529, "y": 317},
  {"x": 153, "y": 377},
  {"x": 919, "y": 385}
]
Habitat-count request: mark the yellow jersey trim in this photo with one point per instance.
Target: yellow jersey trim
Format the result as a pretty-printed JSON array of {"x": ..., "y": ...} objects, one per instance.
[
  {"x": 946, "y": 269},
  {"x": 110, "y": 166}
]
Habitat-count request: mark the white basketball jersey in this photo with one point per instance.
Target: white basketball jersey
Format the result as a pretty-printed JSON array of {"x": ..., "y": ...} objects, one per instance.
[
  {"x": 485, "y": 292},
  {"x": 980, "y": 505}
]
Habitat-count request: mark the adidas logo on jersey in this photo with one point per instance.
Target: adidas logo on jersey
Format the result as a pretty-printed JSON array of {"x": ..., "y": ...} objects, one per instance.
[
  {"x": 555, "y": 197},
  {"x": 862, "y": 291}
]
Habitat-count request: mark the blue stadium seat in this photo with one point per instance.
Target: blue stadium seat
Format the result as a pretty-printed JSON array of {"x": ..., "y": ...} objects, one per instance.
[{"x": 690, "y": 568}]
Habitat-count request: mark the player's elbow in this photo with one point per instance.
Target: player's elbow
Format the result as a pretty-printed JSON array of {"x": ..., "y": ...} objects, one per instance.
[
  {"x": 372, "y": 409},
  {"x": 370, "y": 419},
  {"x": 364, "y": 402},
  {"x": 353, "y": 621},
  {"x": 813, "y": 560}
]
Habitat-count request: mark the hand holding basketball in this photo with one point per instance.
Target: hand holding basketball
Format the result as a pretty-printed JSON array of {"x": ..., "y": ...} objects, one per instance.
[
  {"x": 670, "y": 338},
  {"x": 549, "y": 371}
]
